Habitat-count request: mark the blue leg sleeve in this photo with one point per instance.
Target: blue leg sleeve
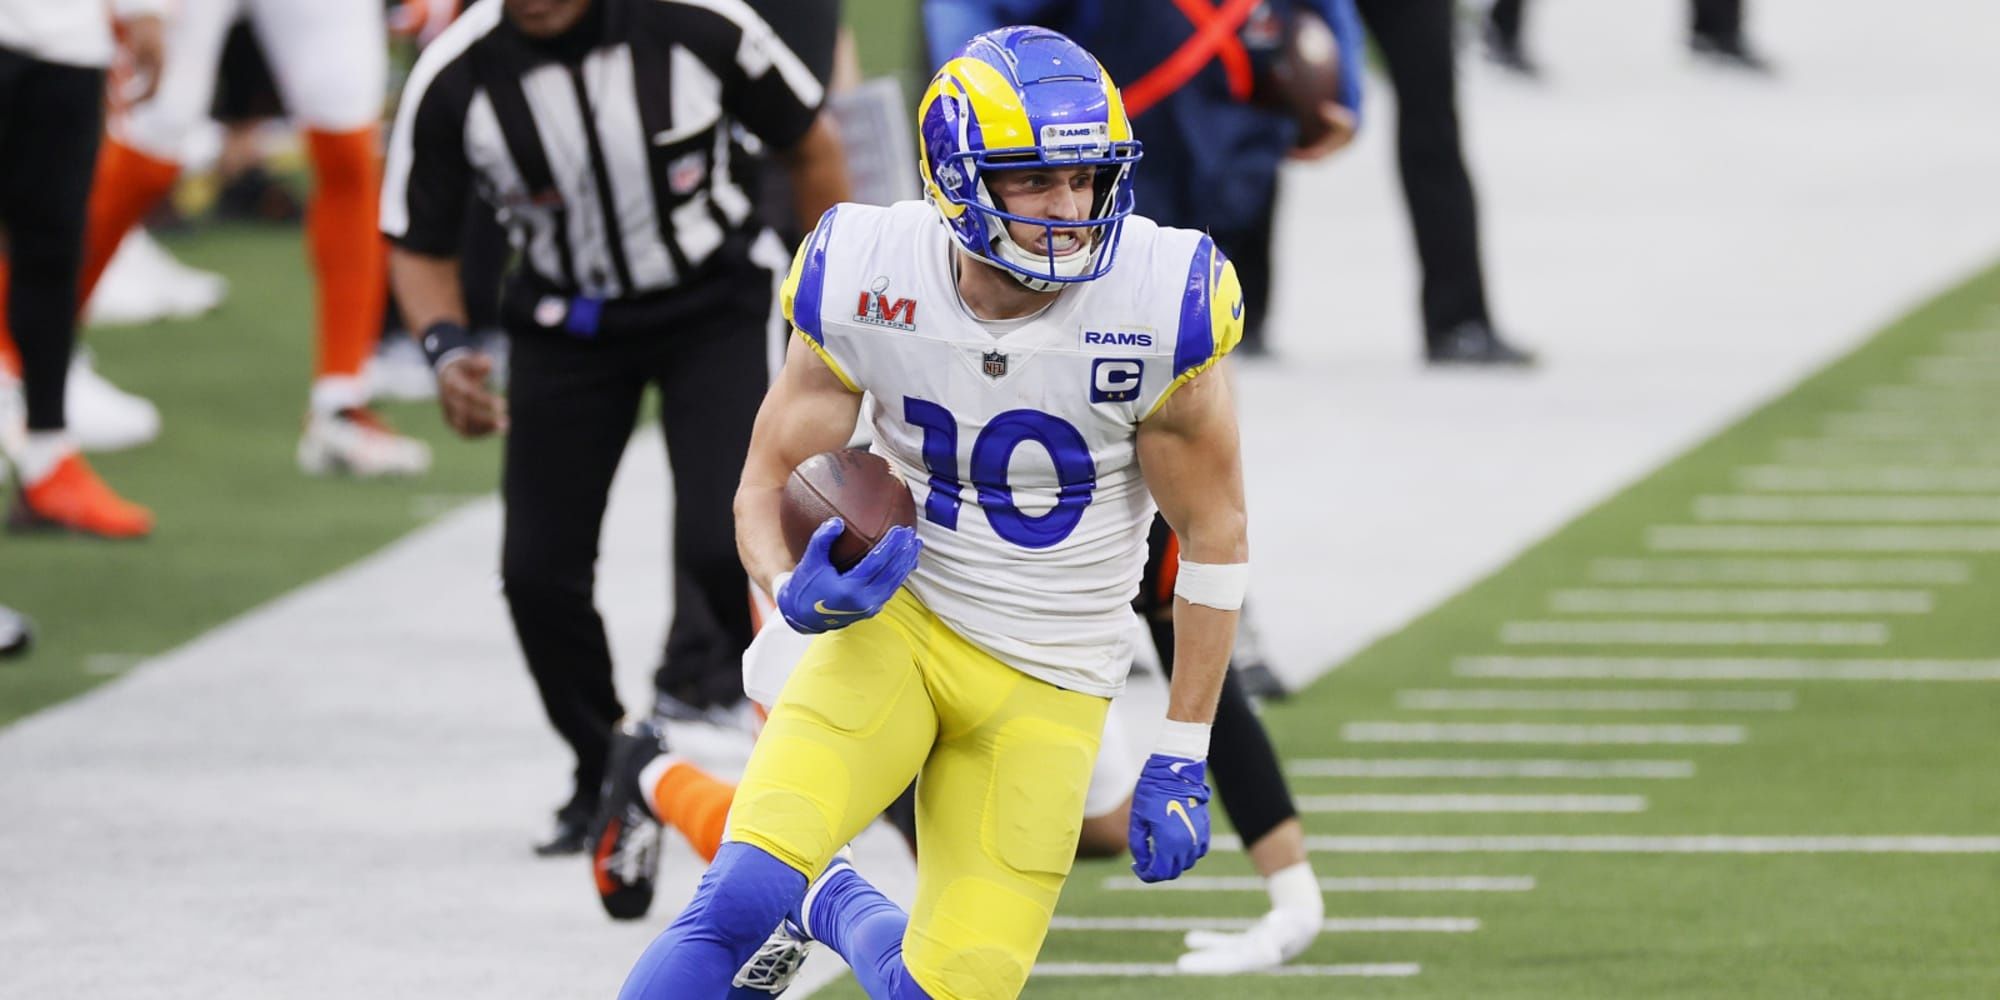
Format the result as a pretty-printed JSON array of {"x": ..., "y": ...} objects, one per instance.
[
  {"x": 855, "y": 919},
  {"x": 743, "y": 895}
]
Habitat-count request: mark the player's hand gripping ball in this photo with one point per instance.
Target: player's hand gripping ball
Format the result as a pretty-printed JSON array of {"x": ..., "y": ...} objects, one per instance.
[
  {"x": 850, "y": 521},
  {"x": 1169, "y": 828}
]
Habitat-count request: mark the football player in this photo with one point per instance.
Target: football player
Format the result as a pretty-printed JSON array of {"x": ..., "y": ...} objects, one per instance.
[{"x": 1039, "y": 454}]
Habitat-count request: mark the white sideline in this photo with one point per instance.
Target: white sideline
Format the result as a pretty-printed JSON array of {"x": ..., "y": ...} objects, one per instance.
[
  {"x": 1740, "y": 602},
  {"x": 1693, "y": 633},
  {"x": 1723, "y": 669},
  {"x": 1871, "y": 509},
  {"x": 1359, "y": 883},
  {"x": 1597, "y": 701},
  {"x": 1600, "y": 844},
  {"x": 1867, "y": 478},
  {"x": 1332, "y": 925},
  {"x": 1462, "y": 803},
  {"x": 1536, "y": 732},
  {"x": 1780, "y": 572},
  {"x": 1434, "y": 767},
  {"x": 1127, "y": 970}
]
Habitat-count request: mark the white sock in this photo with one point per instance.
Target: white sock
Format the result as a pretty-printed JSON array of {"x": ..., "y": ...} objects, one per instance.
[
  {"x": 1295, "y": 888},
  {"x": 44, "y": 451},
  {"x": 650, "y": 775},
  {"x": 334, "y": 393}
]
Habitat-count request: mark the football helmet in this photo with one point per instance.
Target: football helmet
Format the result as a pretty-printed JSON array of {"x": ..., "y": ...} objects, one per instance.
[{"x": 1026, "y": 97}]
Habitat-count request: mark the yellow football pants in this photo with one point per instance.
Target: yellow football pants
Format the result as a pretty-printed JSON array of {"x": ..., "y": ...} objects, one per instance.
[{"x": 1002, "y": 761}]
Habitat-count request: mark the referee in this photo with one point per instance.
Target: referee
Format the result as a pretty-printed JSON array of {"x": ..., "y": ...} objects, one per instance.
[{"x": 604, "y": 135}]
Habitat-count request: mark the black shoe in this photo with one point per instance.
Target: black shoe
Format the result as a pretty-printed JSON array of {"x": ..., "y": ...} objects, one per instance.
[
  {"x": 1728, "y": 52},
  {"x": 255, "y": 196},
  {"x": 1506, "y": 52},
  {"x": 1474, "y": 343},
  {"x": 16, "y": 633},
  {"x": 570, "y": 836},
  {"x": 625, "y": 836}
]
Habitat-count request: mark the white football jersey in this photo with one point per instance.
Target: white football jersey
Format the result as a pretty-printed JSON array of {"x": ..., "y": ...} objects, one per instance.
[{"x": 1018, "y": 439}]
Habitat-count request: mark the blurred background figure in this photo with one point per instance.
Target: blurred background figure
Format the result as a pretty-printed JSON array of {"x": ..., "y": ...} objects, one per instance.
[
  {"x": 1715, "y": 35},
  {"x": 643, "y": 263},
  {"x": 53, "y": 59},
  {"x": 328, "y": 58},
  {"x": 1415, "y": 38}
]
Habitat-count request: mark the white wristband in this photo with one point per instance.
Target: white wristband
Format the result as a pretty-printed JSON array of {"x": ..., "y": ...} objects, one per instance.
[
  {"x": 1217, "y": 585},
  {"x": 1183, "y": 739}
]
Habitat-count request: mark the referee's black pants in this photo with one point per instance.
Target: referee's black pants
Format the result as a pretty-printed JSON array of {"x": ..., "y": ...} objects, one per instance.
[
  {"x": 572, "y": 406},
  {"x": 1415, "y": 37},
  {"x": 50, "y": 117}
]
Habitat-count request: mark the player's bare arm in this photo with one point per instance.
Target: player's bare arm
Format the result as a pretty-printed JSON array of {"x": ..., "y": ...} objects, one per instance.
[
  {"x": 1193, "y": 465},
  {"x": 808, "y": 411}
]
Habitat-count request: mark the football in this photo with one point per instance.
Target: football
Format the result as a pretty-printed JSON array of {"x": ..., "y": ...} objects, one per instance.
[
  {"x": 853, "y": 485},
  {"x": 1304, "y": 74}
]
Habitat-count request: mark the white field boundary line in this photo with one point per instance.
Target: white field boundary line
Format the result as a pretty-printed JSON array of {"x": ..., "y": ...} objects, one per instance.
[
  {"x": 1723, "y": 669},
  {"x": 1541, "y": 733},
  {"x": 1868, "y": 478},
  {"x": 1352, "y": 884},
  {"x": 1435, "y": 767},
  {"x": 1459, "y": 803},
  {"x": 1791, "y": 538},
  {"x": 1781, "y": 572},
  {"x": 1852, "y": 451},
  {"x": 1640, "y": 844},
  {"x": 1332, "y": 925},
  {"x": 1596, "y": 701},
  {"x": 1863, "y": 509},
  {"x": 1868, "y": 426},
  {"x": 1133, "y": 970},
  {"x": 1740, "y": 602},
  {"x": 1693, "y": 633}
]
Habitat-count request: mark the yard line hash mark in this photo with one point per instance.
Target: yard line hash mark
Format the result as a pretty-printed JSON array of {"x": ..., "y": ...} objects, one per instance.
[
  {"x": 1723, "y": 669},
  {"x": 1597, "y": 701},
  {"x": 1533, "y": 732},
  {"x": 1434, "y": 767},
  {"x": 1693, "y": 633}
]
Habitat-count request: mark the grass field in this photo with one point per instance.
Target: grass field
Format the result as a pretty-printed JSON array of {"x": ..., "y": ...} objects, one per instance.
[{"x": 1792, "y": 629}]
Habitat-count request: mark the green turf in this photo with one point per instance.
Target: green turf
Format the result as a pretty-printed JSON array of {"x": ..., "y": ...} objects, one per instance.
[
  {"x": 1851, "y": 758},
  {"x": 239, "y": 524}
]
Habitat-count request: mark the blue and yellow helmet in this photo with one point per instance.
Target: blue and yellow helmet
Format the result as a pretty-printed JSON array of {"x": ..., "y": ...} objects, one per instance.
[{"x": 1026, "y": 97}]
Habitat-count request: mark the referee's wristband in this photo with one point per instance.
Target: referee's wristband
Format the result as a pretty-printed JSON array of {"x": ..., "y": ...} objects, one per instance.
[{"x": 444, "y": 340}]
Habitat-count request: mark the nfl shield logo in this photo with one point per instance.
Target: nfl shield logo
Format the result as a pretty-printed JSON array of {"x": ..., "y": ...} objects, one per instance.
[{"x": 993, "y": 363}]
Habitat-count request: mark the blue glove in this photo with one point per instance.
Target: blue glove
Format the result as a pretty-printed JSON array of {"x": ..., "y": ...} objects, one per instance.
[
  {"x": 1169, "y": 830},
  {"x": 817, "y": 597}
]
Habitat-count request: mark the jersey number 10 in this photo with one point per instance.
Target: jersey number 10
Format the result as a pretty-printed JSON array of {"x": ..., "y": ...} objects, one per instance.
[{"x": 1076, "y": 474}]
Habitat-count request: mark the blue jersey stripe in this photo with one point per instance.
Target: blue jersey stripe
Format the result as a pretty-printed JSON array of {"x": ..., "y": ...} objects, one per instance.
[
  {"x": 1196, "y": 340},
  {"x": 812, "y": 280}
]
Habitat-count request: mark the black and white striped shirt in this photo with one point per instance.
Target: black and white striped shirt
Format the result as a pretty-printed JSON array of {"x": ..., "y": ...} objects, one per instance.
[{"x": 607, "y": 152}]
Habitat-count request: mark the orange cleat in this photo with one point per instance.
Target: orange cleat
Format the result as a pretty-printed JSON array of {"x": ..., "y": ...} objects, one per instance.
[{"x": 72, "y": 498}]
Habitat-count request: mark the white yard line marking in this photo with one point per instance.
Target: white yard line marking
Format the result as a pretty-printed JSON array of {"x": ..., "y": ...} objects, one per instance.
[
  {"x": 1865, "y": 509},
  {"x": 1461, "y": 803},
  {"x": 1129, "y": 970},
  {"x": 1598, "y": 844},
  {"x": 1865, "y": 478},
  {"x": 1369, "y": 884},
  {"x": 1789, "y": 538},
  {"x": 1928, "y": 399},
  {"x": 1955, "y": 371},
  {"x": 1781, "y": 572},
  {"x": 1859, "y": 452},
  {"x": 1723, "y": 669},
  {"x": 1333, "y": 925},
  {"x": 1434, "y": 767},
  {"x": 1867, "y": 426},
  {"x": 1597, "y": 701},
  {"x": 1741, "y": 602},
  {"x": 1693, "y": 633},
  {"x": 1979, "y": 343},
  {"x": 1536, "y": 732}
]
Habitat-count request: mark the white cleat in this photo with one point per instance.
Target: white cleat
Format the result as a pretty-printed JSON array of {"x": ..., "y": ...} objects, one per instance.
[
  {"x": 399, "y": 371},
  {"x": 1278, "y": 937},
  {"x": 356, "y": 442},
  {"x": 101, "y": 416},
  {"x": 143, "y": 283},
  {"x": 13, "y": 423},
  {"x": 777, "y": 961}
]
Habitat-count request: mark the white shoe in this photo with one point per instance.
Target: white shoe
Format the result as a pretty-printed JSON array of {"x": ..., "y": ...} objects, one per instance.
[
  {"x": 13, "y": 423},
  {"x": 101, "y": 416},
  {"x": 143, "y": 283},
  {"x": 1278, "y": 937},
  {"x": 356, "y": 442},
  {"x": 399, "y": 371},
  {"x": 777, "y": 961}
]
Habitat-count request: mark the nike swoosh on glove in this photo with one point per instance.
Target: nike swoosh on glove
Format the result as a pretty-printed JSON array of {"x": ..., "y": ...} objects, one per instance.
[
  {"x": 817, "y": 597},
  {"x": 1169, "y": 829}
]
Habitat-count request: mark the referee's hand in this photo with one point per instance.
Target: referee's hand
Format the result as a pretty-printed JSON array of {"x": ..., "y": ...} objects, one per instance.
[{"x": 469, "y": 407}]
